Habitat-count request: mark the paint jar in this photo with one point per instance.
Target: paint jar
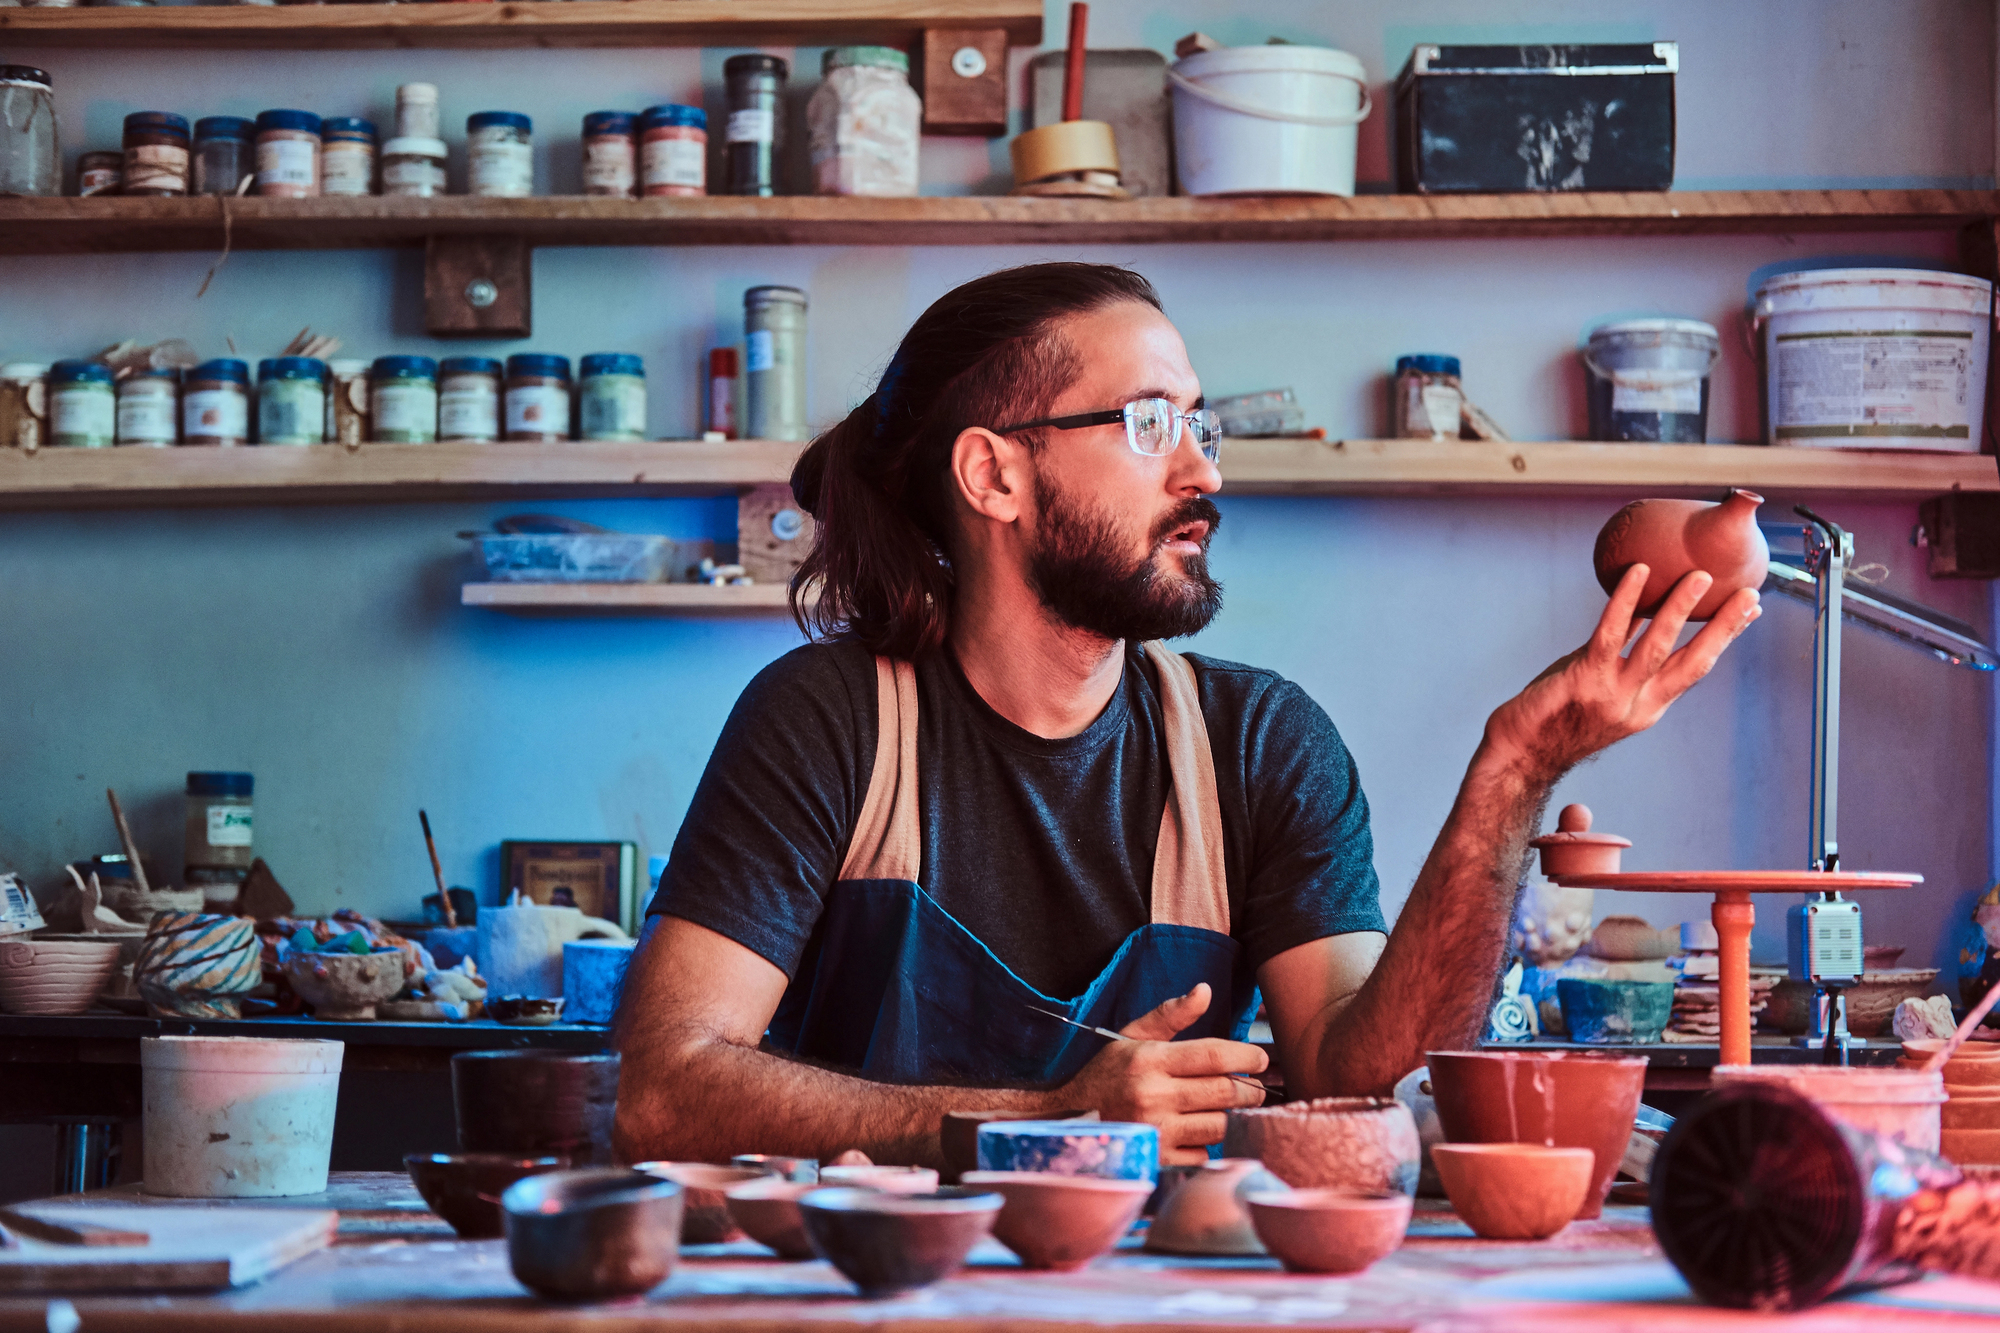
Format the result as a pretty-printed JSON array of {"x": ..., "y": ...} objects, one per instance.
[
  {"x": 537, "y": 397},
  {"x": 774, "y": 363},
  {"x": 1647, "y": 380},
  {"x": 413, "y": 168},
  {"x": 347, "y": 402},
  {"x": 24, "y": 405},
  {"x": 156, "y": 155},
  {"x": 756, "y": 89},
  {"x": 404, "y": 405},
  {"x": 149, "y": 408},
  {"x": 721, "y": 419},
  {"x": 417, "y": 112},
  {"x": 218, "y": 828},
  {"x": 469, "y": 399},
  {"x": 224, "y": 153},
  {"x": 99, "y": 173},
  {"x": 291, "y": 400},
  {"x": 1428, "y": 401},
  {"x": 611, "y": 393},
  {"x": 673, "y": 149},
  {"x": 30, "y": 163},
  {"x": 865, "y": 123},
  {"x": 347, "y": 157},
  {"x": 500, "y": 145},
  {"x": 288, "y": 154},
  {"x": 83, "y": 407},
  {"x": 610, "y": 157},
  {"x": 216, "y": 407}
]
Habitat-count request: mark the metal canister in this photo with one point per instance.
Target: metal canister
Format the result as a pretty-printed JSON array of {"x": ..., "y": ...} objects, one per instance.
[{"x": 774, "y": 363}]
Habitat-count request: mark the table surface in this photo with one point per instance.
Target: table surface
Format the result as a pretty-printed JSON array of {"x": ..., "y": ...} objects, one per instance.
[{"x": 396, "y": 1267}]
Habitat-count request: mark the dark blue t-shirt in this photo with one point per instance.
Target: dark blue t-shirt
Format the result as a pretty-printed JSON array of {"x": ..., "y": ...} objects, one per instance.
[{"x": 1043, "y": 849}]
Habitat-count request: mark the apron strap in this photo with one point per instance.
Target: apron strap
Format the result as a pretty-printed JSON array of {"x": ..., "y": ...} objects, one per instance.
[
  {"x": 1190, "y": 887},
  {"x": 886, "y": 842}
]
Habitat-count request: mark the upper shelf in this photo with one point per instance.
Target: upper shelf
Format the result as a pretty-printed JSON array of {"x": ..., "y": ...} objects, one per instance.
[
  {"x": 515, "y": 23},
  {"x": 96, "y": 225}
]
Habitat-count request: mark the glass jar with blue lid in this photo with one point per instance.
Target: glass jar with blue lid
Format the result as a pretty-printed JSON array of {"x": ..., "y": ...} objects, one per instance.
[
  {"x": 347, "y": 156},
  {"x": 611, "y": 394},
  {"x": 500, "y": 153},
  {"x": 83, "y": 407},
  {"x": 403, "y": 402},
  {"x": 224, "y": 153},
  {"x": 537, "y": 397},
  {"x": 291, "y": 400},
  {"x": 215, "y": 407},
  {"x": 156, "y": 154},
  {"x": 469, "y": 399}
]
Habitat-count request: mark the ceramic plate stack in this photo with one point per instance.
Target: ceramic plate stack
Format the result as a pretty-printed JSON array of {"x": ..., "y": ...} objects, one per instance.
[{"x": 1697, "y": 1018}]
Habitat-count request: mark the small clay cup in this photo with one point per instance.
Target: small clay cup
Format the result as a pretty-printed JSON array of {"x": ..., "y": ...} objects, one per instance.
[
  {"x": 705, "y": 1218},
  {"x": 1514, "y": 1191},
  {"x": 958, "y": 1135},
  {"x": 346, "y": 987},
  {"x": 536, "y": 1103},
  {"x": 887, "y": 1244},
  {"x": 1061, "y": 1222},
  {"x": 465, "y": 1188},
  {"x": 592, "y": 1235},
  {"x": 888, "y": 1179},
  {"x": 768, "y": 1210},
  {"x": 1329, "y": 1230}
]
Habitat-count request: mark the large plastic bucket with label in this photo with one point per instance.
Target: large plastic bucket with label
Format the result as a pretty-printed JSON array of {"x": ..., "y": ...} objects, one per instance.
[
  {"x": 1649, "y": 380},
  {"x": 1267, "y": 120},
  {"x": 1876, "y": 358}
]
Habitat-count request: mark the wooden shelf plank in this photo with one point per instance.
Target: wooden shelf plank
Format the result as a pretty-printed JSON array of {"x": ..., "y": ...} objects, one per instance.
[
  {"x": 647, "y": 599},
  {"x": 107, "y": 225},
  {"x": 515, "y": 23}
]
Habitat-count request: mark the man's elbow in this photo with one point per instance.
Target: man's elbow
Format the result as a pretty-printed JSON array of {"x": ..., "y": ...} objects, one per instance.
[{"x": 663, "y": 1111}]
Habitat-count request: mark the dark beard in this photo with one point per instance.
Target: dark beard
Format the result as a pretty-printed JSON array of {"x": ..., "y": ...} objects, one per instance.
[{"x": 1078, "y": 571}]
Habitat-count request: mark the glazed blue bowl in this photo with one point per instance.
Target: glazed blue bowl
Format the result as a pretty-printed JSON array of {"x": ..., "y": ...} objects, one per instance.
[
  {"x": 1112, "y": 1149},
  {"x": 1614, "y": 1013}
]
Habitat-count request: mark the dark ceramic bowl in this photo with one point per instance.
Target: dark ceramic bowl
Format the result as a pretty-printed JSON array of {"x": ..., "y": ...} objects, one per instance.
[
  {"x": 465, "y": 1188},
  {"x": 592, "y": 1235},
  {"x": 524, "y": 1011},
  {"x": 887, "y": 1244},
  {"x": 536, "y": 1103}
]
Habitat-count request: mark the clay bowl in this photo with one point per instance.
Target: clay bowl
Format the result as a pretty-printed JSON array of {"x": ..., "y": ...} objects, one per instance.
[
  {"x": 1116, "y": 1150},
  {"x": 1514, "y": 1191},
  {"x": 1366, "y": 1145},
  {"x": 346, "y": 987},
  {"x": 1329, "y": 1230},
  {"x": 1971, "y": 1112},
  {"x": 958, "y": 1135},
  {"x": 805, "y": 1170},
  {"x": 54, "y": 976},
  {"x": 1871, "y": 1006},
  {"x": 465, "y": 1188},
  {"x": 1971, "y": 1147},
  {"x": 592, "y": 1235},
  {"x": 887, "y": 1244},
  {"x": 705, "y": 1218},
  {"x": 1881, "y": 957},
  {"x": 767, "y": 1210},
  {"x": 1061, "y": 1222},
  {"x": 536, "y": 1103},
  {"x": 1919, "y": 1049},
  {"x": 1974, "y": 1073},
  {"x": 888, "y": 1179},
  {"x": 1599, "y": 1011},
  {"x": 196, "y": 964},
  {"x": 1572, "y": 1099},
  {"x": 1208, "y": 1215}
]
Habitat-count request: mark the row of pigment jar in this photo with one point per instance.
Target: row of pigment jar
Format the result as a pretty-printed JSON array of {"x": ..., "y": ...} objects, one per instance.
[{"x": 662, "y": 151}]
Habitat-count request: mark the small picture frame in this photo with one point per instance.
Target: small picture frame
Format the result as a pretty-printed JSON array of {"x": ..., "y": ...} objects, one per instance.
[{"x": 598, "y": 878}]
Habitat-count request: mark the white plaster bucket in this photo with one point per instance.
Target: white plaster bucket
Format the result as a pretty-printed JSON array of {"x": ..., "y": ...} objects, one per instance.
[
  {"x": 1876, "y": 358},
  {"x": 238, "y": 1117},
  {"x": 1267, "y": 120},
  {"x": 1899, "y": 1104}
]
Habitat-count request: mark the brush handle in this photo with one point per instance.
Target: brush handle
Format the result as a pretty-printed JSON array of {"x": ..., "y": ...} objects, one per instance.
[
  {"x": 437, "y": 871},
  {"x": 1079, "y": 23},
  {"x": 125, "y": 837}
]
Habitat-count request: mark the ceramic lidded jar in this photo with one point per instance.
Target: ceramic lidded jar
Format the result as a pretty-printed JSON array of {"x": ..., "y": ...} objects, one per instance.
[
  {"x": 1673, "y": 538},
  {"x": 1574, "y": 850}
]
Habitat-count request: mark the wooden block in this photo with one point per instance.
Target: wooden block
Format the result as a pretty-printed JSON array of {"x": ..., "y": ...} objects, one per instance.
[
  {"x": 964, "y": 81},
  {"x": 773, "y": 534},
  {"x": 478, "y": 286},
  {"x": 1962, "y": 535}
]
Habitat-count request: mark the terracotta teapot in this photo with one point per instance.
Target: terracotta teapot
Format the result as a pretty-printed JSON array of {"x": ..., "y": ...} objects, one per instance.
[{"x": 1672, "y": 538}]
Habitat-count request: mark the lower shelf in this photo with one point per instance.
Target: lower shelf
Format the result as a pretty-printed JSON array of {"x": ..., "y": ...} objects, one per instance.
[{"x": 630, "y": 599}]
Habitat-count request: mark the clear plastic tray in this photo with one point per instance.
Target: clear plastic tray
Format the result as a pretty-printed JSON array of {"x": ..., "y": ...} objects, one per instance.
[{"x": 576, "y": 557}]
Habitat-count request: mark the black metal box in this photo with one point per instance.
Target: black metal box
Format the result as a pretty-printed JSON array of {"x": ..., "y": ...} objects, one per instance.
[{"x": 1524, "y": 119}]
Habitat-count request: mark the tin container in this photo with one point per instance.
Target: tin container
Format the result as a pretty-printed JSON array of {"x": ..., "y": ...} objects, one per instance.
[
  {"x": 215, "y": 409},
  {"x": 99, "y": 173},
  {"x": 469, "y": 399},
  {"x": 83, "y": 408},
  {"x": 610, "y": 155},
  {"x": 224, "y": 153},
  {"x": 156, "y": 155},
  {"x": 537, "y": 397},
  {"x": 774, "y": 363},
  {"x": 413, "y": 168},
  {"x": 673, "y": 150},
  {"x": 149, "y": 408},
  {"x": 288, "y": 145},
  {"x": 347, "y": 157},
  {"x": 500, "y": 146},
  {"x": 403, "y": 407},
  {"x": 612, "y": 396},
  {"x": 756, "y": 90},
  {"x": 30, "y": 158},
  {"x": 24, "y": 405},
  {"x": 291, "y": 400}
]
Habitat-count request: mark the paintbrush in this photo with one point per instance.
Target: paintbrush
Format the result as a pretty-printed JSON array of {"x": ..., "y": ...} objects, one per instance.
[
  {"x": 125, "y": 837},
  {"x": 437, "y": 871},
  {"x": 1270, "y": 1093}
]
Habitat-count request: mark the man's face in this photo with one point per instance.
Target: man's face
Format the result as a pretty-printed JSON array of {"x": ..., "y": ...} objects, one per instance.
[{"x": 1119, "y": 540}]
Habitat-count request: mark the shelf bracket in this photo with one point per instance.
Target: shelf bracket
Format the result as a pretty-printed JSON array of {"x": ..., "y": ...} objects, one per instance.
[
  {"x": 964, "y": 74},
  {"x": 478, "y": 286}
]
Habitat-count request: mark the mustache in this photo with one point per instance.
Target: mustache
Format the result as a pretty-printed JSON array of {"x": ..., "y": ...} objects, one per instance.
[{"x": 1198, "y": 509}]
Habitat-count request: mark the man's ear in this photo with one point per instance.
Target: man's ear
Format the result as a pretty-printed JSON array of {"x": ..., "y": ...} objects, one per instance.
[{"x": 990, "y": 474}]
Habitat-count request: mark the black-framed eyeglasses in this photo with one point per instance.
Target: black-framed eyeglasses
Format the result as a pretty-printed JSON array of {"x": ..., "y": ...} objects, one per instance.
[{"x": 1152, "y": 426}]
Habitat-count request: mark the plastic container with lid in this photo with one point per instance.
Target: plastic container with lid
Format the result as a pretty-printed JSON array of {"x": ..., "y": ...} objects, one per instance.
[
  {"x": 288, "y": 146},
  {"x": 537, "y": 397},
  {"x": 611, "y": 392},
  {"x": 673, "y": 150},
  {"x": 291, "y": 400},
  {"x": 469, "y": 399},
  {"x": 30, "y": 158},
  {"x": 83, "y": 408},
  {"x": 755, "y": 85},
  {"x": 99, "y": 173},
  {"x": 417, "y": 112},
  {"x": 347, "y": 156},
  {"x": 1427, "y": 401},
  {"x": 500, "y": 146},
  {"x": 404, "y": 405},
  {"x": 865, "y": 121},
  {"x": 156, "y": 155},
  {"x": 219, "y": 826},
  {"x": 1268, "y": 120},
  {"x": 1648, "y": 380},
  {"x": 149, "y": 408},
  {"x": 24, "y": 405},
  {"x": 413, "y": 168},
  {"x": 215, "y": 409},
  {"x": 774, "y": 363},
  {"x": 610, "y": 155},
  {"x": 224, "y": 153}
]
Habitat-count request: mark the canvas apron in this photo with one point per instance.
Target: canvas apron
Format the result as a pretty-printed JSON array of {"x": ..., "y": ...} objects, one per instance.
[{"x": 893, "y": 987}]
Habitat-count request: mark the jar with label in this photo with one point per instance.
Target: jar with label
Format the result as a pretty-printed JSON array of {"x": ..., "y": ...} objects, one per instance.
[
  {"x": 215, "y": 410},
  {"x": 865, "y": 123},
  {"x": 24, "y": 405},
  {"x": 469, "y": 399},
  {"x": 224, "y": 153},
  {"x": 291, "y": 400},
  {"x": 611, "y": 391},
  {"x": 99, "y": 173},
  {"x": 83, "y": 407},
  {"x": 673, "y": 150},
  {"x": 404, "y": 405},
  {"x": 149, "y": 408},
  {"x": 721, "y": 420},
  {"x": 288, "y": 154},
  {"x": 347, "y": 156},
  {"x": 501, "y": 149},
  {"x": 774, "y": 363},
  {"x": 413, "y": 168},
  {"x": 537, "y": 397},
  {"x": 347, "y": 402},
  {"x": 156, "y": 155},
  {"x": 756, "y": 89},
  {"x": 30, "y": 163},
  {"x": 1428, "y": 402},
  {"x": 610, "y": 156},
  {"x": 219, "y": 833},
  {"x": 417, "y": 112}
]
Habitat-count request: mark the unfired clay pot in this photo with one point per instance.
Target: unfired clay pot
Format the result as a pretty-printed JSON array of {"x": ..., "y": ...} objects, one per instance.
[
  {"x": 1970, "y": 1111},
  {"x": 1515, "y": 1191},
  {"x": 768, "y": 1209},
  {"x": 888, "y": 1179},
  {"x": 1972, "y": 1147},
  {"x": 1365, "y": 1144},
  {"x": 346, "y": 987},
  {"x": 41, "y": 976},
  {"x": 1207, "y": 1214},
  {"x": 1673, "y": 538},
  {"x": 1329, "y": 1230},
  {"x": 1574, "y": 850},
  {"x": 1632, "y": 939},
  {"x": 705, "y": 1216},
  {"x": 1061, "y": 1222}
]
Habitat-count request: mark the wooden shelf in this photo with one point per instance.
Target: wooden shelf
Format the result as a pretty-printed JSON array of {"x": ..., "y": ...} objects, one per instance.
[
  {"x": 632, "y": 599},
  {"x": 515, "y": 23},
  {"x": 105, "y": 225}
]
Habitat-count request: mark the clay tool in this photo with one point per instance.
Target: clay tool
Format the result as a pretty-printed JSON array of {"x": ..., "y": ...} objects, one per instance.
[
  {"x": 437, "y": 872},
  {"x": 68, "y": 1233},
  {"x": 125, "y": 837},
  {"x": 1269, "y": 1092}
]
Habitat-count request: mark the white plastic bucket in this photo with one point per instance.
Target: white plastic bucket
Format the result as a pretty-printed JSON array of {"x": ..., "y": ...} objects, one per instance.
[
  {"x": 1899, "y": 1104},
  {"x": 1876, "y": 358},
  {"x": 1267, "y": 120},
  {"x": 238, "y": 1117}
]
